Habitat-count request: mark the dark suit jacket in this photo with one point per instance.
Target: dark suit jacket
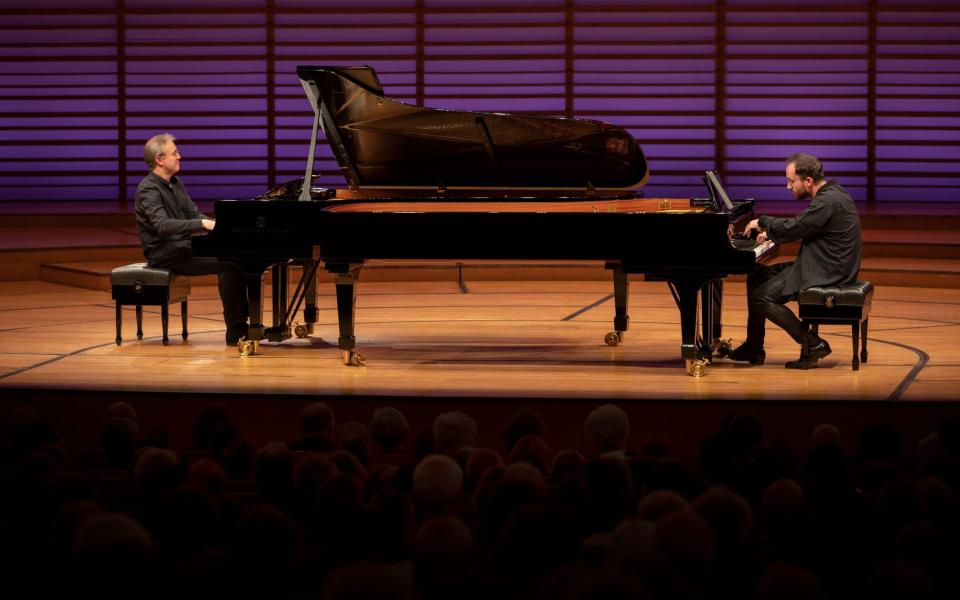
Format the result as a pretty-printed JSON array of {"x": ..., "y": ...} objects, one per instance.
[
  {"x": 830, "y": 232},
  {"x": 166, "y": 218}
]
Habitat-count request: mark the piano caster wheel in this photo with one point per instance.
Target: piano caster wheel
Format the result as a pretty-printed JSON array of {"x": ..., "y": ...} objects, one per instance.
[
  {"x": 613, "y": 338},
  {"x": 301, "y": 330},
  {"x": 722, "y": 348},
  {"x": 247, "y": 347},
  {"x": 353, "y": 359},
  {"x": 697, "y": 368}
]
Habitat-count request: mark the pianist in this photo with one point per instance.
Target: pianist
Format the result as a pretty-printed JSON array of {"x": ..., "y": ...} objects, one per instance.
[
  {"x": 829, "y": 232},
  {"x": 167, "y": 218}
]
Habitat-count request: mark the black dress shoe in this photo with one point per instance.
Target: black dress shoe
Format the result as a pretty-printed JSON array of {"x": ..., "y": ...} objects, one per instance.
[
  {"x": 809, "y": 357},
  {"x": 754, "y": 356}
]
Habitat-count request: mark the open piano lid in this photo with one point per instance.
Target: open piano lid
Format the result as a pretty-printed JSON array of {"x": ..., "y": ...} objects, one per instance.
[{"x": 380, "y": 143}]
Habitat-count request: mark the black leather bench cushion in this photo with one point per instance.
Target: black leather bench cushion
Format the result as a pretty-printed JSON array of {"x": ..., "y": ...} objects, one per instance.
[
  {"x": 859, "y": 293},
  {"x": 131, "y": 274}
]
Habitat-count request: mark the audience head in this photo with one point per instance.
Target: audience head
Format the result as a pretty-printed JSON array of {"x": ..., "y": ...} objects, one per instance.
[
  {"x": 480, "y": 460},
  {"x": 730, "y": 517},
  {"x": 207, "y": 474},
  {"x": 437, "y": 484},
  {"x": 368, "y": 581},
  {"x": 157, "y": 471},
  {"x": 356, "y": 439},
  {"x": 607, "y": 429},
  {"x": 211, "y": 417},
  {"x": 566, "y": 461},
  {"x": 317, "y": 421},
  {"x": 782, "y": 503},
  {"x": 273, "y": 471},
  {"x": 442, "y": 553},
  {"x": 686, "y": 540},
  {"x": 230, "y": 448},
  {"x": 389, "y": 429},
  {"x": 111, "y": 555},
  {"x": 525, "y": 421},
  {"x": 826, "y": 434},
  {"x": 453, "y": 432},
  {"x": 120, "y": 409},
  {"x": 533, "y": 450},
  {"x": 118, "y": 438},
  {"x": 744, "y": 432},
  {"x": 660, "y": 503}
]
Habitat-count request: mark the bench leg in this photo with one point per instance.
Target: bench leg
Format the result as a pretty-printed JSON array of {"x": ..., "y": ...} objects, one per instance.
[
  {"x": 165, "y": 321},
  {"x": 183, "y": 318},
  {"x": 855, "y": 328},
  {"x": 139, "y": 321},
  {"x": 863, "y": 350},
  {"x": 119, "y": 322}
]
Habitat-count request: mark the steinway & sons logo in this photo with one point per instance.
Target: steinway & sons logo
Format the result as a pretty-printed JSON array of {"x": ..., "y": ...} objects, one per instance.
[{"x": 260, "y": 228}]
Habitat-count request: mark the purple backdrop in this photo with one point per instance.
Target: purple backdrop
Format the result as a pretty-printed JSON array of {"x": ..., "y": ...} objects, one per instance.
[{"x": 872, "y": 88}]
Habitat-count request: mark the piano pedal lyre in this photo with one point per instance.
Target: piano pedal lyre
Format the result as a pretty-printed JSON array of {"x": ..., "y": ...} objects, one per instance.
[
  {"x": 247, "y": 347},
  {"x": 722, "y": 348},
  {"x": 352, "y": 358}
]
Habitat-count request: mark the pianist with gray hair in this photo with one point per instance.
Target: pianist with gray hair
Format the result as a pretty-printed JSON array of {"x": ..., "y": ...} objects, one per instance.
[
  {"x": 829, "y": 232},
  {"x": 166, "y": 220}
]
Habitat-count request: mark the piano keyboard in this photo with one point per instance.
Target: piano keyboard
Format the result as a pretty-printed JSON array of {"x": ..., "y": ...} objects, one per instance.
[{"x": 761, "y": 249}]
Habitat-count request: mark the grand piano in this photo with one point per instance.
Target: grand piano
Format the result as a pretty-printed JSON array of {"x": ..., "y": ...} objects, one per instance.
[{"x": 439, "y": 184}]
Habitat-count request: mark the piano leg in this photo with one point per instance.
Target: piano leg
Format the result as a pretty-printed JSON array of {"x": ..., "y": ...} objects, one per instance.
[
  {"x": 255, "y": 332},
  {"x": 687, "y": 290},
  {"x": 281, "y": 328},
  {"x": 621, "y": 294},
  {"x": 711, "y": 305},
  {"x": 310, "y": 301},
  {"x": 345, "y": 278},
  {"x": 717, "y": 345}
]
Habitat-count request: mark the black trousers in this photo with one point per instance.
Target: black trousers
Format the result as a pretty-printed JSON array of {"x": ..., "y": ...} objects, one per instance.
[
  {"x": 230, "y": 280},
  {"x": 765, "y": 300}
]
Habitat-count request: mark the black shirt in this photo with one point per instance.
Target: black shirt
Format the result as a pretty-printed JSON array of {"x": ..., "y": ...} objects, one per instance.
[{"x": 166, "y": 219}]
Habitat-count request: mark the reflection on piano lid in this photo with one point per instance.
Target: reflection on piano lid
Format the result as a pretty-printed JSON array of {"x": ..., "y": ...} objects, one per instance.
[{"x": 382, "y": 143}]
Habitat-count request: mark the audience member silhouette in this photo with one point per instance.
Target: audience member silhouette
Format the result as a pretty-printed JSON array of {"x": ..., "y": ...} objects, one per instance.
[
  {"x": 525, "y": 421},
  {"x": 607, "y": 431},
  {"x": 317, "y": 428},
  {"x": 389, "y": 429}
]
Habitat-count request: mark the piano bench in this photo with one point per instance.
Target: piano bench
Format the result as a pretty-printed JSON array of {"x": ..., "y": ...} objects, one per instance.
[
  {"x": 142, "y": 286},
  {"x": 839, "y": 305}
]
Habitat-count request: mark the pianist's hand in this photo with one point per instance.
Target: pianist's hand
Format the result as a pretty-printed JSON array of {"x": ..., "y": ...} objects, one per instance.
[
  {"x": 761, "y": 237},
  {"x": 208, "y": 224}
]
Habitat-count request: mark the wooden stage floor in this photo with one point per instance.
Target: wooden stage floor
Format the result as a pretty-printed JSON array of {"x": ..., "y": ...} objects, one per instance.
[{"x": 529, "y": 339}]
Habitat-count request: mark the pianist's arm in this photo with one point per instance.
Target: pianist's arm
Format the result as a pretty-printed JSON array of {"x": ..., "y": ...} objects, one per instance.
[
  {"x": 168, "y": 210},
  {"x": 811, "y": 220}
]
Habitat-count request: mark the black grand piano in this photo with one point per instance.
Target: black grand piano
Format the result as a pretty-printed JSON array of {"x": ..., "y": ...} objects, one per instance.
[{"x": 438, "y": 184}]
